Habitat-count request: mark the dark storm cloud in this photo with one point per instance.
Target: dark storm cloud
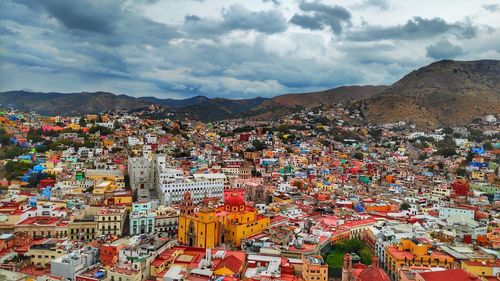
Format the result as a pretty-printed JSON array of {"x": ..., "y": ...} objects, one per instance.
[
  {"x": 413, "y": 29},
  {"x": 255, "y": 63},
  {"x": 443, "y": 50},
  {"x": 492, "y": 7},
  {"x": 306, "y": 21},
  {"x": 318, "y": 16},
  {"x": 45, "y": 45},
  {"x": 92, "y": 16},
  {"x": 236, "y": 17},
  {"x": 88, "y": 62},
  {"x": 105, "y": 22}
]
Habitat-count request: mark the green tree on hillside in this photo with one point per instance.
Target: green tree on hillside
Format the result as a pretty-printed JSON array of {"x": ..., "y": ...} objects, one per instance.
[
  {"x": 11, "y": 151},
  {"x": 405, "y": 206},
  {"x": 16, "y": 169}
]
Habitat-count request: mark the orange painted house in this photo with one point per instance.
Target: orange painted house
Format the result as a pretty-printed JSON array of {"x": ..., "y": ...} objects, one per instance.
[{"x": 108, "y": 253}]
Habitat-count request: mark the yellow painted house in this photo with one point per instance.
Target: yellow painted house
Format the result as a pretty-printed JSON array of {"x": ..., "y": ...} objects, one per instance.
[
  {"x": 101, "y": 175},
  {"x": 108, "y": 143},
  {"x": 414, "y": 253},
  {"x": 73, "y": 126},
  {"x": 57, "y": 203},
  {"x": 314, "y": 269},
  {"x": 120, "y": 198},
  {"x": 211, "y": 135},
  {"x": 76, "y": 190},
  {"x": 106, "y": 180},
  {"x": 481, "y": 267},
  {"x": 49, "y": 165},
  {"x": 103, "y": 187},
  {"x": 282, "y": 199},
  {"x": 42, "y": 253},
  {"x": 477, "y": 175}
]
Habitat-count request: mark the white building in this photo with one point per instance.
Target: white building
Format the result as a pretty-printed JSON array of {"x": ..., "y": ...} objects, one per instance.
[
  {"x": 491, "y": 119},
  {"x": 460, "y": 141},
  {"x": 133, "y": 141},
  {"x": 231, "y": 170},
  {"x": 440, "y": 192},
  {"x": 73, "y": 184},
  {"x": 68, "y": 265},
  {"x": 47, "y": 210},
  {"x": 172, "y": 185},
  {"x": 110, "y": 124},
  {"x": 446, "y": 212},
  {"x": 85, "y": 152},
  {"x": 150, "y": 138}
]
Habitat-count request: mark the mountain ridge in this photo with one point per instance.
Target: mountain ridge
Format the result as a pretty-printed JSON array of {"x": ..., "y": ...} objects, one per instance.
[
  {"x": 290, "y": 102},
  {"x": 198, "y": 107},
  {"x": 443, "y": 93}
]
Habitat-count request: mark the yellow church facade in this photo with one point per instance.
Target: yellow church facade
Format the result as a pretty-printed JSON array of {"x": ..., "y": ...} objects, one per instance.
[{"x": 227, "y": 224}]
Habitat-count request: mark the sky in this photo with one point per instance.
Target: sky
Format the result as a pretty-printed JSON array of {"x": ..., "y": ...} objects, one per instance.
[{"x": 234, "y": 49}]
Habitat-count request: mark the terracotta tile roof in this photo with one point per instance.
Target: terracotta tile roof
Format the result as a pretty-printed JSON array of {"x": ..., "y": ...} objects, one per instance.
[
  {"x": 230, "y": 262},
  {"x": 452, "y": 274}
]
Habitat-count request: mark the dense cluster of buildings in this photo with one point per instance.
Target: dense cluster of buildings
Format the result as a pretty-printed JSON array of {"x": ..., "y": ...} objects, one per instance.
[{"x": 121, "y": 197}]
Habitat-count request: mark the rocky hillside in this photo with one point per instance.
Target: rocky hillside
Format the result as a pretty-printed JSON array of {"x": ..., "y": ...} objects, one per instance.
[
  {"x": 444, "y": 93},
  {"x": 219, "y": 109},
  {"x": 283, "y": 104}
]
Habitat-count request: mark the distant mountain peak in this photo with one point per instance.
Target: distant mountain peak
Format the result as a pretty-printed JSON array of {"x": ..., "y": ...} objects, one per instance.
[{"x": 443, "y": 93}]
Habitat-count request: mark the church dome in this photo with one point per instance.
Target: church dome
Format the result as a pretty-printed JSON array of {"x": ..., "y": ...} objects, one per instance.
[
  {"x": 235, "y": 200},
  {"x": 373, "y": 273}
]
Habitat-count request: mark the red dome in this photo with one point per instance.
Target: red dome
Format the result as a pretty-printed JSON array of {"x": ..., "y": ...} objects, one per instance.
[
  {"x": 373, "y": 273},
  {"x": 235, "y": 200}
]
